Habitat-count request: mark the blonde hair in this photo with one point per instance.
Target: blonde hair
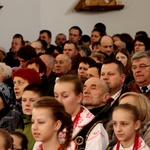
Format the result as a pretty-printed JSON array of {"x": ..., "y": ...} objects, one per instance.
[{"x": 142, "y": 103}]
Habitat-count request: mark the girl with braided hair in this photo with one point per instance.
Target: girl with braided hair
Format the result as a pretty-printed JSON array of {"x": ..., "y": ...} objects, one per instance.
[{"x": 49, "y": 119}]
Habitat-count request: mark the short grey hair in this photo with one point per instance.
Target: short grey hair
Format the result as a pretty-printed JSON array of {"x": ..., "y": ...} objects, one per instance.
[
  {"x": 5, "y": 70},
  {"x": 139, "y": 55}
]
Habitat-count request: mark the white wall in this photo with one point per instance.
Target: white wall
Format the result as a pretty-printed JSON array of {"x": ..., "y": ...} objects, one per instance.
[{"x": 28, "y": 17}]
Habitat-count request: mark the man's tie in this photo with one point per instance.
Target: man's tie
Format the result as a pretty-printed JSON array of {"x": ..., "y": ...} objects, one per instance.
[{"x": 144, "y": 89}]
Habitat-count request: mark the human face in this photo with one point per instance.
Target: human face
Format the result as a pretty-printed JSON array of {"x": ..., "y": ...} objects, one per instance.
[
  {"x": 116, "y": 38},
  {"x": 23, "y": 63},
  {"x": 44, "y": 36},
  {"x": 16, "y": 44},
  {"x": 95, "y": 37},
  {"x": 62, "y": 64},
  {"x": 74, "y": 36},
  {"x": 82, "y": 70},
  {"x": 38, "y": 47},
  {"x": 111, "y": 75},
  {"x": 19, "y": 85},
  {"x": 141, "y": 71},
  {"x": 139, "y": 46},
  {"x": 42, "y": 120},
  {"x": 121, "y": 57},
  {"x": 70, "y": 50},
  {"x": 1, "y": 103},
  {"x": 60, "y": 39},
  {"x": 17, "y": 142},
  {"x": 92, "y": 72},
  {"x": 107, "y": 45},
  {"x": 28, "y": 100},
  {"x": 93, "y": 93},
  {"x": 96, "y": 48},
  {"x": 64, "y": 93},
  {"x": 124, "y": 127}
]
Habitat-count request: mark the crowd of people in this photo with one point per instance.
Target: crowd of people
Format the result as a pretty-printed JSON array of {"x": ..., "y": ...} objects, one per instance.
[{"x": 87, "y": 92}]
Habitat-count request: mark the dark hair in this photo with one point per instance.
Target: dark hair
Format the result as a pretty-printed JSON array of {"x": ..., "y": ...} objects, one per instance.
[
  {"x": 95, "y": 44},
  {"x": 26, "y": 52},
  {"x": 77, "y": 28},
  {"x": 58, "y": 113},
  {"x": 98, "y": 66},
  {"x": 24, "y": 141},
  {"x": 36, "y": 88},
  {"x": 46, "y": 31},
  {"x": 20, "y": 37},
  {"x": 75, "y": 45},
  {"x": 119, "y": 36},
  {"x": 131, "y": 109},
  {"x": 78, "y": 86},
  {"x": 8, "y": 140},
  {"x": 87, "y": 60},
  {"x": 28, "y": 74},
  {"x": 139, "y": 33},
  {"x": 100, "y": 30},
  {"x": 85, "y": 38},
  {"x": 43, "y": 43},
  {"x": 144, "y": 40},
  {"x": 100, "y": 25},
  {"x": 39, "y": 63},
  {"x": 120, "y": 67}
]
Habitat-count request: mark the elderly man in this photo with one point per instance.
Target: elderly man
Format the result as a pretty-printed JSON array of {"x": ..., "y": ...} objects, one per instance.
[
  {"x": 96, "y": 97},
  {"x": 141, "y": 73},
  {"x": 63, "y": 65}
]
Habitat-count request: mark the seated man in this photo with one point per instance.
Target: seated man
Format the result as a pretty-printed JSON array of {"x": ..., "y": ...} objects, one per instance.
[
  {"x": 96, "y": 97},
  {"x": 141, "y": 73},
  {"x": 62, "y": 65}
]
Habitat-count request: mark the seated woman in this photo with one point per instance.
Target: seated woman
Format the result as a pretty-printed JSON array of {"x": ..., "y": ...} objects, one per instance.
[
  {"x": 21, "y": 78},
  {"x": 9, "y": 117},
  {"x": 124, "y": 56},
  {"x": 6, "y": 142},
  {"x": 53, "y": 116}
]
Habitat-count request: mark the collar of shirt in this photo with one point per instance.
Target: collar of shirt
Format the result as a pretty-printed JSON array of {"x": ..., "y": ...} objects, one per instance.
[
  {"x": 115, "y": 96},
  {"x": 147, "y": 89}
]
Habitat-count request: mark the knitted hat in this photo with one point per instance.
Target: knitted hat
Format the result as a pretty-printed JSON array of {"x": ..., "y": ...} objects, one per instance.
[
  {"x": 2, "y": 49},
  {"x": 6, "y": 93}
]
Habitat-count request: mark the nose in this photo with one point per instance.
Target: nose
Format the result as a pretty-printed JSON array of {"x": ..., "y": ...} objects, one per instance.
[
  {"x": 34, "y": 126},
  {"x": 104, "y": 77},
  {"x": 118, "y": 128},
  {"x": 86, "y": 90}
]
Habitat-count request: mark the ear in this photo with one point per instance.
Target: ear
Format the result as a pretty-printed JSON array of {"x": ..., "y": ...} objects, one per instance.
[
  {"x": 41, "y": 74},
  {"x": 123, "y": 77},
  {"x": 106, "y": 97},
  {"x": 57, "y": 125},
  {"x": 137, "y": 124},
  {"x": 79, "y": 98},
  {"x": 69, "y": 67}
]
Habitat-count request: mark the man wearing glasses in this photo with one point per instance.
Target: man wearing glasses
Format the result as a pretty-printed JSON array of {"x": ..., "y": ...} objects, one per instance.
[{"x": 141, "y": 72}]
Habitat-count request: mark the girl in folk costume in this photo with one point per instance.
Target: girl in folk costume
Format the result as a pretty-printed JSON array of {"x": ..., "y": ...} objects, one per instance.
[
  {"x": 126, "y": 124},
  {"x": 68, "y": 90},
  {"x": 49, "y": 118}
]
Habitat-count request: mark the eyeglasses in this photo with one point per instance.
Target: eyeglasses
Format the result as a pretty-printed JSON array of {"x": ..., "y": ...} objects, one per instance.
[
  {"x": 141, "y": 66},
  {"x": 139, "y": 45}
]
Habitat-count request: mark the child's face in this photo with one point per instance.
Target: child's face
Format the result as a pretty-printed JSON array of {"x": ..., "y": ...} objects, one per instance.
[
  {"x": 28, "y": 100},
  {"x": 64, "y": 92},
  {"x": 43, "y": 126},
  {"x": 124, "y": 126}
]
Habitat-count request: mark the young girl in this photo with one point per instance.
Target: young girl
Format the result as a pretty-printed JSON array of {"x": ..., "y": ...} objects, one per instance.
[
  {"x": 126, "y": 124},
  {"x": 49, "y": 118}
]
